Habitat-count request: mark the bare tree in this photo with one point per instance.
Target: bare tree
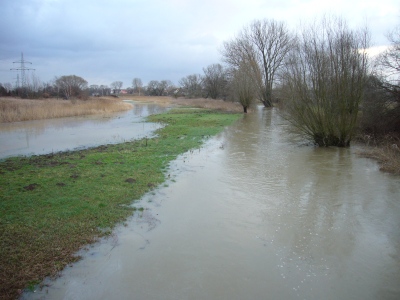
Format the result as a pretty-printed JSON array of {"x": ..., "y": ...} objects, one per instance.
[
  {"x": 48, "y": 89},
  {"x": 388, "y": 63},
  {"x": 159, "y": 88},
  {"x": 214, "y": 81},
  {"x": 5, "y": 89},
  {"x": 242, "y": 85},
  {"x": 381, "y": 106},
  {"x": 105, "y": 90},
  {"x": 32, "y": 86},
  {"x": 165, "y": 87},
  {"x": 94, "y": 90},
  {"x": 267, "y": 42},
  {"x": 192, "y": 86},
  {"x": 71, "y": 86},
  {"x": 8, "y": 87},
  {"x": 116, "y": 86},
  {"x": 153, "y": 88},
  {"x": 137, "y": 85},
  {"x": 171, "y": 88},
  {"x": 34, "y": 83},
  {"x": 325, "y": 81}
]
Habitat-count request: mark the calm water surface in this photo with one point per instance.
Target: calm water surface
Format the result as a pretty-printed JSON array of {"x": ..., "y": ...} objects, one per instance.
[
  {"x": 255, "y": 214},
  {"x": 46, "y": 136}
]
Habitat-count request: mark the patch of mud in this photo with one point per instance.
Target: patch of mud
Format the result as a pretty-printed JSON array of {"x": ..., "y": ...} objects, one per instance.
[
  {"x": 130, "y": 180},
  {"x": 31, "y": 186}
]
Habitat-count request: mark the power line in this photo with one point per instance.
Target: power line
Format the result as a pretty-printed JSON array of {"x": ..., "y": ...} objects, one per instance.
[{"x": 22, "y": 68}]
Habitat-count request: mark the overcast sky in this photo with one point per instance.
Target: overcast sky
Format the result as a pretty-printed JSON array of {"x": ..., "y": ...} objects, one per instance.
[{"x": 108, "y": 40}]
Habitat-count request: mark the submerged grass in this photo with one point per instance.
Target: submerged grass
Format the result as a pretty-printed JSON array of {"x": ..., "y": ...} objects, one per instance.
[{"x": 52, "y": 205}]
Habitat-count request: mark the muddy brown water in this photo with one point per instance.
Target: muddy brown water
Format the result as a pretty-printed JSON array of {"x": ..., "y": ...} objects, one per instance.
[
  {"x": 46, "y": 136},
  {"x": 254, "y": 214}
]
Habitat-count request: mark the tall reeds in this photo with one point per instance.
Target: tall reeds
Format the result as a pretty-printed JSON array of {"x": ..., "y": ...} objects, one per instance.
[{"x": 15, "y": 110}]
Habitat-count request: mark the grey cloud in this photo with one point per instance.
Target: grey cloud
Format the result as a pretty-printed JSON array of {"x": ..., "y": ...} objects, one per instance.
[{"x": 118, "y": 40}]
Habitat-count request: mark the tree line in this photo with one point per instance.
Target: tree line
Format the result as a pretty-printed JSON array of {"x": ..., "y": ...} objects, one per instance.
[
  {"x": 212, "y": 84},
  {"x": 320, "y": 77}
]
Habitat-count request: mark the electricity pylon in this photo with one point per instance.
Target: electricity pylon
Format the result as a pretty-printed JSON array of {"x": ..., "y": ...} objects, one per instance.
[{"x": 22, "y": 69}]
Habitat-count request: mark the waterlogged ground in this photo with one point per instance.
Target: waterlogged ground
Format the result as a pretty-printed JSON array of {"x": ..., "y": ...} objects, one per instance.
[
  {"x": 46, "y": 136},
  {"x": 255, "y": 214}
]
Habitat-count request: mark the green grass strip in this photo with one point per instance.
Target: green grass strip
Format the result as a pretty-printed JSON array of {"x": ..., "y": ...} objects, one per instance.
[{"x": 52, "y": 205}]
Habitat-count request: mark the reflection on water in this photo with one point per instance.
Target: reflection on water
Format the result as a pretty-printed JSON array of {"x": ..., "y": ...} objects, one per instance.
[
  {"x": 46, "y": 136},
  {"x": 253, "y": 215}
]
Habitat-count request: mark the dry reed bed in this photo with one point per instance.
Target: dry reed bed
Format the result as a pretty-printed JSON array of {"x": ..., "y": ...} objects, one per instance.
[
  {"x": 15, "y": 110},
  {"x": 386, "y": 151},
  {"x": 221, "y": 105},
  {"x": 213, "y": 104}
]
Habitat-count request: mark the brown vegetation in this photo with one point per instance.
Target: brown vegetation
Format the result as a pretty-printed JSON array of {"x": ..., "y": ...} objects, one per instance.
[
  {"x": 15, "y": 110},
  {"x": 220, "y": 105},
  {"x": 385, "y": 150},
  {"x": 388, "y": 157}
]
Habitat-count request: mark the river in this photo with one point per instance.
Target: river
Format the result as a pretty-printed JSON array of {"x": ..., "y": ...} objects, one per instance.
[{"x": 254, "y": 214}]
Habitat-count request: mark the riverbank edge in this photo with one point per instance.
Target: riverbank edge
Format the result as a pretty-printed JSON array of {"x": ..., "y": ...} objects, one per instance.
[{"x": 55, "y": 204}]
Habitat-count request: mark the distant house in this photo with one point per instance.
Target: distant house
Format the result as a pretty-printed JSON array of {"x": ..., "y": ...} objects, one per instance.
[{"x": 116, "y": 92}]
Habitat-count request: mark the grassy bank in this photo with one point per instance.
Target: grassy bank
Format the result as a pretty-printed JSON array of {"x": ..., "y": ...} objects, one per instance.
[
  {"x": 16, "y": 110},
  {"x": 52, "y": 205}
]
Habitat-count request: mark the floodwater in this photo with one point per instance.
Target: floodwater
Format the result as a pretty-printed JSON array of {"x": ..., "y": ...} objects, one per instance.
[
  {"x": 254, "y": 214},
  {"x": 46, "y": 136}
]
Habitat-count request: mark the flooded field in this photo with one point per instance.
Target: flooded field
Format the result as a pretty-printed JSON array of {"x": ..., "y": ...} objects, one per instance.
[
  {"x": 46, "y": 136},
  {"x": 254, "y": 214}
]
